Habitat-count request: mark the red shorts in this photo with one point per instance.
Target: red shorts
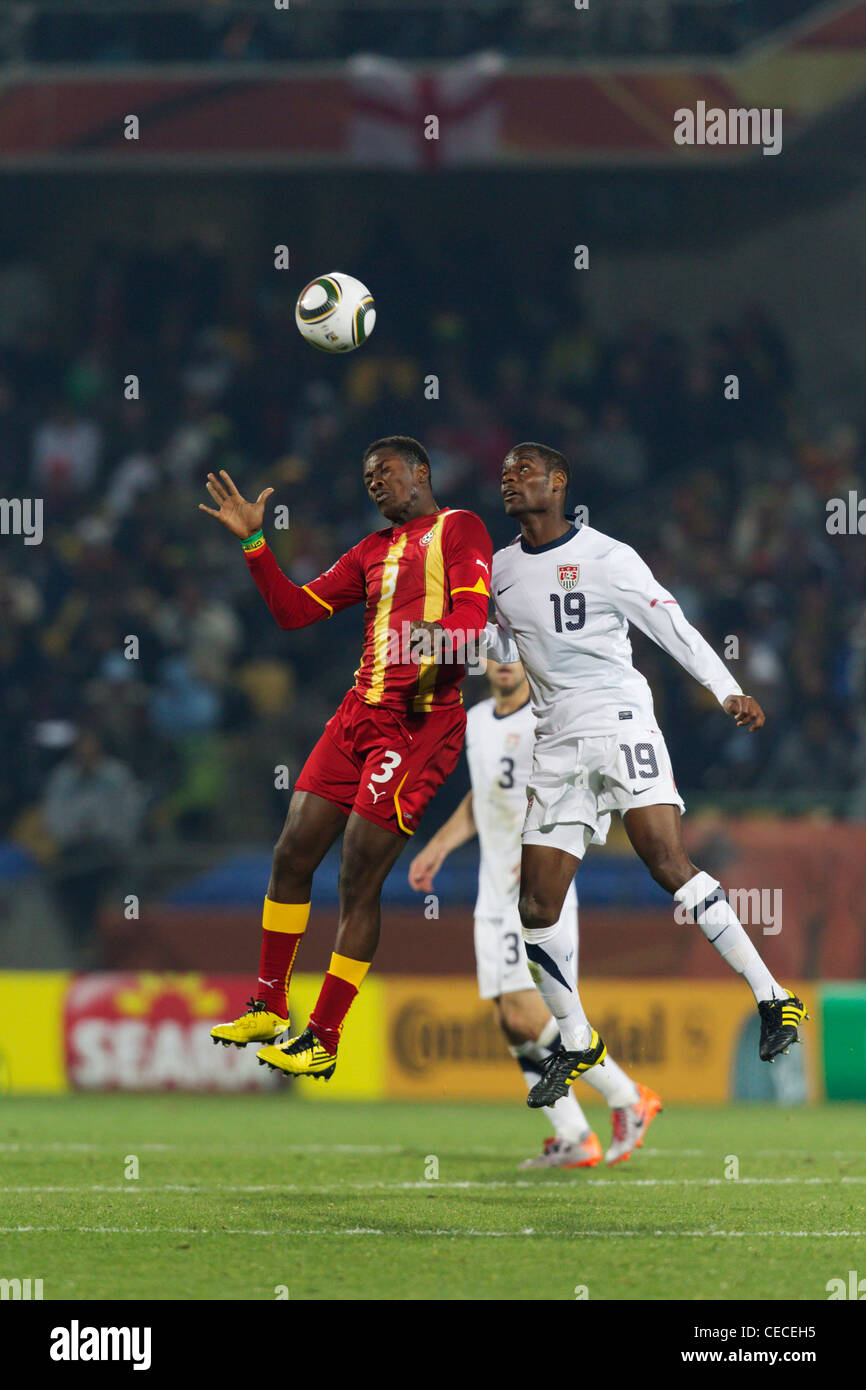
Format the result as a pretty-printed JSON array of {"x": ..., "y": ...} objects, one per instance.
[{"x": 383, "y": 764}]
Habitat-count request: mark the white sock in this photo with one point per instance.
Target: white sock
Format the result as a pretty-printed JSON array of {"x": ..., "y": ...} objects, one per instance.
[
  {"x": 611, "y": 1082},
  {"x": 552, "y": 965},
  {"x": 705, "y": 899},
  {"x": 566, "y": 1117}
]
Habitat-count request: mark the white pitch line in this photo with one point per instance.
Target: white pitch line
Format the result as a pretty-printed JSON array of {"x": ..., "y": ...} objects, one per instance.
[
  {"x": 448, "y": 1233},
  {"x": 373, "y": 1149},
  {"x": 755, "y": 1153},
  {"x": 343, "y": 1148},
  {"x": 328, "y": 1189},
  {"x": 79, "y": 1148},
  {"x": 485, "y": 1151}
]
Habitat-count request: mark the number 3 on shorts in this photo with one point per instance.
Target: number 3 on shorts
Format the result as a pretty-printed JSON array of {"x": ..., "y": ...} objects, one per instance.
[{"x": 390, "y": 763}]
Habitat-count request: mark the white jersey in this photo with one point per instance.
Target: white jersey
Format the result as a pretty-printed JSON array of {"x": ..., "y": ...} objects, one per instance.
[
  {"x": 499, "y": 753},
  {"x": 563, "y": 609}
]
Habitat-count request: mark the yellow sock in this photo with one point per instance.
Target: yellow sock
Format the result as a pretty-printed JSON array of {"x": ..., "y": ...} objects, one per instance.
[
  {"x": 352, "y": 971},
  {"x": 341, "y": 984},
  {"x": 283, "y": 925}
]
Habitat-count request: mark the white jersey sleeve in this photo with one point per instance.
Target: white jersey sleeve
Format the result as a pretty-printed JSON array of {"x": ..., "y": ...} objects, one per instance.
[
  {"x": 644, "y": 602},
  {"x": 500, "y": 644}
]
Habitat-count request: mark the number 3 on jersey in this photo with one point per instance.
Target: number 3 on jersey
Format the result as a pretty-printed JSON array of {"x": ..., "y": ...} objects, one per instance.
[{"x": 575, "y": 611}]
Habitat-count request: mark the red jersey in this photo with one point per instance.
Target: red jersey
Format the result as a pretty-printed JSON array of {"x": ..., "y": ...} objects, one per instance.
[{"x": 435, "y": 568}]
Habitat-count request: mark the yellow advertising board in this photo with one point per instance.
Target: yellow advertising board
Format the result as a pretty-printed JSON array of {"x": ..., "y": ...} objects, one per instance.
[
  {"x": 678, "y": 1036},
  {"x": 362, "y": 1069},
  {"x": 406, "y": 1037},
  {"x": 681, "y": 1036},
  {"x": 32, "y": 1055},
  {"x": 143, "y": 1031},
  {"x": 443, "y": 1042}
]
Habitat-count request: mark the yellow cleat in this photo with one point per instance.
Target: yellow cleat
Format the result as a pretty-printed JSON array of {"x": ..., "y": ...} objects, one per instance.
[
  {"x": 258, "y": 1025},
  {"x": 561, "y": 1068},
  {"x": 780, "y": 1021},
  {"x": 301, "y": 1056}
]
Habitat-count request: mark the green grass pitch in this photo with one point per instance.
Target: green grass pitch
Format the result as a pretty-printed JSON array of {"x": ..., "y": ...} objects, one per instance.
[{"x": 255, "y": 1197}]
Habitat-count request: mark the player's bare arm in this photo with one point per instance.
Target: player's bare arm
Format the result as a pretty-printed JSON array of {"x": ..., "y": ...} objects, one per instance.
[
  {"x": 745, "y": 711},
  {"x": 426, "y": 864},
  {"x": 241, "y": 517}
]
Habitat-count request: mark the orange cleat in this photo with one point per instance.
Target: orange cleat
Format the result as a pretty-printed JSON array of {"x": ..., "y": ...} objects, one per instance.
[
  {"x": 630, "y": 1124},
  {"x": 564, "y": 1153}
]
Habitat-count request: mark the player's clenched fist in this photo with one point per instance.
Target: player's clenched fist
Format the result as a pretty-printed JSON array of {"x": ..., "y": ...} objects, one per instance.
[
  {"x": 242, "y": 518},
  {"x": 746, "y": 711}
]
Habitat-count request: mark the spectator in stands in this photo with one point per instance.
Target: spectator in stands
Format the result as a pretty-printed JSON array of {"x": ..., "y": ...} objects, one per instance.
[
  {"x": 730, "y": 519},
  {"x": 92, "y": 811}
]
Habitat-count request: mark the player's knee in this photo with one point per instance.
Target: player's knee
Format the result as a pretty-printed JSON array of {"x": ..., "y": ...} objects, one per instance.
[
  {"x": 513, "y": 1018},
  {"x": 536, "y": 912},
  {"x": 292, "y": 866}
]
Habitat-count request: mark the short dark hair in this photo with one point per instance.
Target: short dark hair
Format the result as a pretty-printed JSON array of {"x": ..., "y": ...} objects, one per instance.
[
  {"x": 550, "y": 458},
  {"x": 408, "y": 449}
]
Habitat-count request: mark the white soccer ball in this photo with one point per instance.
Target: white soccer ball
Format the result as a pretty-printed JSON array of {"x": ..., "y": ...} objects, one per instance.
[{"x": 335, "y": 312}]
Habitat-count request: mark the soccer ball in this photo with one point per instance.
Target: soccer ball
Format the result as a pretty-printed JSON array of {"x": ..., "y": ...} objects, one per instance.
[{"x": 335, "y": 313}]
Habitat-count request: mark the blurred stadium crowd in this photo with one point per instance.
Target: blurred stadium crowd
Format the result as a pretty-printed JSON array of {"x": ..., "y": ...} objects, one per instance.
[
  {"x": 226, "y": 31},
  {"x": 179, "y": 730}
]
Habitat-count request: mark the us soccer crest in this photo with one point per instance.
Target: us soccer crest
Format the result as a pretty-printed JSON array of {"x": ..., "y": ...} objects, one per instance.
[{"x": 567, "y": 575}]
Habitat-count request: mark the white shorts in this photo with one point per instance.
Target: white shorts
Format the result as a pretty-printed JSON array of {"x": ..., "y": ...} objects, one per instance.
[
  {"x": 500, "y": 956},
  {"x": 576, "y": 783}
]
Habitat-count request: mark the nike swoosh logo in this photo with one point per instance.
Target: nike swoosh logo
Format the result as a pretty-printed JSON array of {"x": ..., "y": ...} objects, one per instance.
[
  {"x": 505, "y": 590},
  {"x": 641, "y": 792}
]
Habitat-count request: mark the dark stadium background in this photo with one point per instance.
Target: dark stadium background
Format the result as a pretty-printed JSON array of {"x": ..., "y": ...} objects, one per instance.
[{"x": 117, "y": 259}]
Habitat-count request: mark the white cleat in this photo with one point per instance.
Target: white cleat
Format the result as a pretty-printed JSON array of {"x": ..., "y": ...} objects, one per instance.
[
  {"x": 564, "y": 1153},
  {"x": 630, "y": 1124}
]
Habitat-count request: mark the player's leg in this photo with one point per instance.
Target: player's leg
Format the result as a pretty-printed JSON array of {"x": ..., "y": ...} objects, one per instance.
[
  {"x": 324, "y": 792},
  {"x": 311, "y": 827},
  {"x": 369, "y": 853},
  {"x": 532, "y": 1035},
  {"x": 633, "y": 1106},
  {"x": 656, "y": 834},
  {"x": 545, "y": 874},
  {"x": 403, "y": 761}
]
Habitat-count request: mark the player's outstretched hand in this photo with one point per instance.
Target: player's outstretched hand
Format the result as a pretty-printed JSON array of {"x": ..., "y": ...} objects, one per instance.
[
  {"x": 746, "y": 711},
  {"x": 424, "y": 868},
  {"x": 242, "y": 518}
]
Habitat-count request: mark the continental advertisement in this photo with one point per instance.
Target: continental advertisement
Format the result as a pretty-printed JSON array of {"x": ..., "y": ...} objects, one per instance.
[
  {"x": 416, "y": 1037},
  {"x": 688, "y": 1040}
]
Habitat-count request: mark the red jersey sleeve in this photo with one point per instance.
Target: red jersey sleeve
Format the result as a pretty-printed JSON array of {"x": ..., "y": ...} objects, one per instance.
[
  {"x": 296, "y": 605},
  {"x": 467, "y": 551}
]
